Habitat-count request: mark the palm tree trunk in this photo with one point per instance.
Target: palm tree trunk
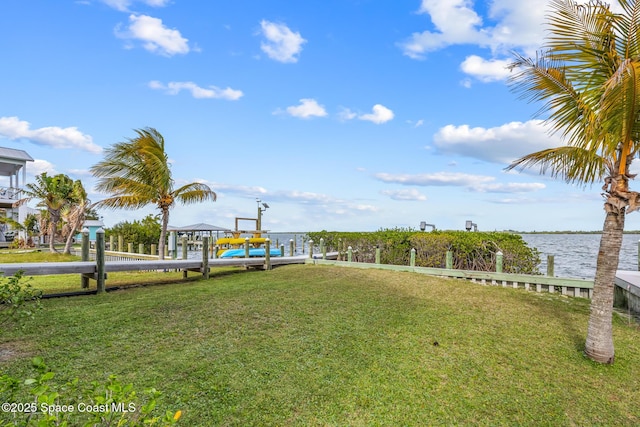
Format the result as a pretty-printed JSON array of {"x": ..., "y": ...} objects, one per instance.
[
  {"x": 599, "y": 344},
  {"x": 74, "y": 226},
  {"x": 163, "y": 233},
  {"x": 53, "y": 226}
]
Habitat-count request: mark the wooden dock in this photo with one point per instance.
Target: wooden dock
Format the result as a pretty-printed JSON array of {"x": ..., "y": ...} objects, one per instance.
[{"x": 90, "y": 267}]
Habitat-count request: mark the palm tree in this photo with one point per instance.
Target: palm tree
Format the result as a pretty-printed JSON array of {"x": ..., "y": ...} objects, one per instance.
[
  {"x": 75, "y": 213},
  {"x": 589, "y": 81},
  {"x": 136, "y": 173},
  {"x": 54, "y": 194}
]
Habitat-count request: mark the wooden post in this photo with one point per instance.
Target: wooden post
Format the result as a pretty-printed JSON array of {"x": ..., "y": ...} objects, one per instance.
[
  {"x": 246, "y": 247},
  {"x": 311, "y": 249},
  {"x": 377, "y": 255},
  {"x": 349, "y": 253},
  {"x": 291, "y": 247},
  {"x": 184, "y": 247},
  {"x": 84, "y": 281},
  {"x": 120, "y": 243},
  {"x": 154, "y": 249},
  {"x": 499, "y": 260},
  {"x": 205, "y": 257},
  {"x": 267, "y": 254},
  {"x": 550, "y": 265},
  {"x": 140, "y": 248},
  {"x": 100, "y": 260},
  {"x": 282, "y": 250},
  {"x": 412, "y": 259},
  {"x": 339, "y": 249},
  {"x": 323, "y": 249},
  {"x": 449, "y": 260},
  {"x": 111, "y": 247},
  {"x": 130, "y": 247}
]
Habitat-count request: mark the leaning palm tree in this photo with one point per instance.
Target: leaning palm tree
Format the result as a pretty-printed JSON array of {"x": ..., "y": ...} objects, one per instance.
[
  {"x": 54, "y": 194},
  {"x": 136, "y": 173},
  {"x": 588, "y": 78},
  {"x": 74, "y": 214}
]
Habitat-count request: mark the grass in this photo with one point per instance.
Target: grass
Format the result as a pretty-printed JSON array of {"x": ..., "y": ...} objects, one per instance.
[{"x": 319, "y": 345}]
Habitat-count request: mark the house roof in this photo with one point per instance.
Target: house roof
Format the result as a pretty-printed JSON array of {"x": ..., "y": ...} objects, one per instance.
[
  {"x": 11, "y": 160},
  {"x": 10, "y": 153},
  {"x": 93, "y": 223},
  {"x": 197, "y": 227}
]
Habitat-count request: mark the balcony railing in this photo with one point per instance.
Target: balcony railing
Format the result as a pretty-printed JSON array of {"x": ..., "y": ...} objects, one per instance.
[{"x": 10, "y": 193}]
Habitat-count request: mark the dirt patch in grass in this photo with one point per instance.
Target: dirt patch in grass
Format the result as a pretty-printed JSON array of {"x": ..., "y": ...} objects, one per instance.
[{"x": 14, "y": 350}]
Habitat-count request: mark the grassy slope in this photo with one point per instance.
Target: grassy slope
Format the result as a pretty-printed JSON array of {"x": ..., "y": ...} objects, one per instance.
[{"x": 316, "y": 345}]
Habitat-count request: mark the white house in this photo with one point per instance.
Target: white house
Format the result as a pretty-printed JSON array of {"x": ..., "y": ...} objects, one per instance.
[{"x": 13, "y": 164}]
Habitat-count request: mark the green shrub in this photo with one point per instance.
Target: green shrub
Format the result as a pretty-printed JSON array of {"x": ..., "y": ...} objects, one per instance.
[
  {"x": 109, "y": 403},
  {"x": 146, "y": 231},
  {"x": 470, "y": 250},
  {"x": 18, "y": 299}
]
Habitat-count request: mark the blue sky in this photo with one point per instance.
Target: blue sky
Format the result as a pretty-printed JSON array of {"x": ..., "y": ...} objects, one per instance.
[{"x": 340, "y": 114}]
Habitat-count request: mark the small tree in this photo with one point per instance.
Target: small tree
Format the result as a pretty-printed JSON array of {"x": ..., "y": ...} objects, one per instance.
[{"x": 54, "y": 193}]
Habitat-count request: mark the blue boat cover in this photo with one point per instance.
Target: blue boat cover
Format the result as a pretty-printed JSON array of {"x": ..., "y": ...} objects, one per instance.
[{"x": 253, "y": 252}]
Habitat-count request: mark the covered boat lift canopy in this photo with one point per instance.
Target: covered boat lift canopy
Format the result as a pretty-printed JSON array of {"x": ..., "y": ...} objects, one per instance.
[{"x": 198, "y": 230}]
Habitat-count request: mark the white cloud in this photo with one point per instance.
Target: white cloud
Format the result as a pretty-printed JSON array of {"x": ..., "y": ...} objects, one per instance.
[
  {"x": 434, "y": 179},
  {"x": 486, "y": 70},
  {"x": 39, "y": 166},
  {"x": 476, "y": 183},
  {"x": 53, "y": 136},
  {"x": 123, "y": 5},
  {"x": 507, "y": 26},
  {"x": 214, "y": 92},
  {"x": 409, "y": 195},
  {"x": 502, "y": 144},
  {"x": 380, "y": 114},
  {"x": 155, "y": 36},
  {"x": 512, "y": 187},
  {"x": 307, "y": 108},
  {"x": 455, "y": 22},
  {"x": 281, "y": 43},
  {"x": 346, "y": 114}
]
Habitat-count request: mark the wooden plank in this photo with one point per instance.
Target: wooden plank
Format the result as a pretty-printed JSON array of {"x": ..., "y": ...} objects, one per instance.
[{"x": 45, "y": 268}]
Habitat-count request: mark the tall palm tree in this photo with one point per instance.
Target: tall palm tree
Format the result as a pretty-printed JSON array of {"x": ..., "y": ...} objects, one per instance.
[
  {"x": 54, "y": 193},
  {"x": 136, "y": 173},
  {"x": 588, "y": 78}
]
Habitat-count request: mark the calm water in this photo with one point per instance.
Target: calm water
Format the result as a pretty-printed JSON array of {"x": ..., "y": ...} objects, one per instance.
[{"x": 575, "y": 254}]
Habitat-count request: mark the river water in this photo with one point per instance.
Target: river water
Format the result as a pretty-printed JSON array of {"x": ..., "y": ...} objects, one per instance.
[{"x": 575, "y": 255}]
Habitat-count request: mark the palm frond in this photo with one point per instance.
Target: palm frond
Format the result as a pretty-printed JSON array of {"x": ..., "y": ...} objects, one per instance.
[
  {"x": 572, "y": 164},
  {"x": 194, "y": 193}
]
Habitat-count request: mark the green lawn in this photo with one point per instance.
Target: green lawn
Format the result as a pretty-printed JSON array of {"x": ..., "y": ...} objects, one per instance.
[{"x": 318, "y": 345}]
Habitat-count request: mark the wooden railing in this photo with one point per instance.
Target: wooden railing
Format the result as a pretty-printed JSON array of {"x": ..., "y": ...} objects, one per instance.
[{"x": 565, "y": 286}]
